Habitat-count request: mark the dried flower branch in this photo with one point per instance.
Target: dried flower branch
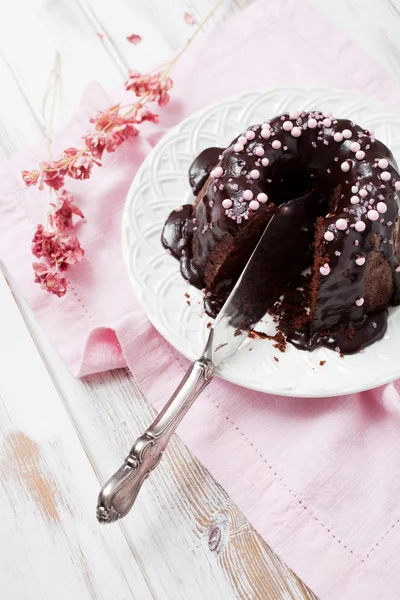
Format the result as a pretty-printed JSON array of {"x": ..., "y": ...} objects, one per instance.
[{"x": 54, "y": 245}]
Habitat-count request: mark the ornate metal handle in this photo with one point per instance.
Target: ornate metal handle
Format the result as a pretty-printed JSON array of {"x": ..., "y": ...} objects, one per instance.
[{"x": 116, "y": 498}]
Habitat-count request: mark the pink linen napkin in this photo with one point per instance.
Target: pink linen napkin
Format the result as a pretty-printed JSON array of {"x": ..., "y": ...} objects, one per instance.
[{"x": 319, "y": 479}]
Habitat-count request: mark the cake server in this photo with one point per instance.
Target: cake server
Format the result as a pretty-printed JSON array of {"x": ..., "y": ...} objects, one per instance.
[{"x": 286, "y": 242}]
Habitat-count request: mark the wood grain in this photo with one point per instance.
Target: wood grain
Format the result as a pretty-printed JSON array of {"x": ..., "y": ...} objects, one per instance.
[
  {"x": 185, "y": 538},
  {"x": 53, "y": 546}
]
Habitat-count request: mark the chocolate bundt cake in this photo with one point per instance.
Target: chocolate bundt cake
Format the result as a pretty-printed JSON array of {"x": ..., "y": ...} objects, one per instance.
[{"x": 355, "y": 272}]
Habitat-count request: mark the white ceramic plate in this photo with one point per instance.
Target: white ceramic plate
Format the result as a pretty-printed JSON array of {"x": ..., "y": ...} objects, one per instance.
[{"x": 161, "y": 185}]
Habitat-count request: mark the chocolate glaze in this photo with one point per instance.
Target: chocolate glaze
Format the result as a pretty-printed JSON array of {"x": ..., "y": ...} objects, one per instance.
[
  {"x": 200, "y": 235},
  {"x": 201, "y": 167}
]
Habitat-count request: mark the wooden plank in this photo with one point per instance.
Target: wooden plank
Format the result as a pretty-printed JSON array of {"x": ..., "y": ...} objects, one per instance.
[
  {"x": 373, "y": 25},
  {"x": 52, "y": 544}
]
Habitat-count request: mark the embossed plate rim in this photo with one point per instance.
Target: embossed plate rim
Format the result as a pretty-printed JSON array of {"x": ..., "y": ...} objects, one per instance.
[{"x": 323, "y": 381}]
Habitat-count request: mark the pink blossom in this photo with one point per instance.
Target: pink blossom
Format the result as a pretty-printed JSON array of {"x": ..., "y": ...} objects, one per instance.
[
  {"x": 53, "y": 173},
  {"x": 154, "y": 85},
  {"x": 51, "y": 281},
  {"x": 189, "y": 19},
  {"x": 105, "y": 119},
  {"x": 30, "y": 177},
  {"x": 81, "y": 166},
  {"x": 134, "y": 38},
  {"x": 142, "y": 113},
  {"x": 118, "y": 135},
  {"x": 62, "y": 217},
  {"x": 59, "y": 250},
  {"x": 96, "y": 144}
]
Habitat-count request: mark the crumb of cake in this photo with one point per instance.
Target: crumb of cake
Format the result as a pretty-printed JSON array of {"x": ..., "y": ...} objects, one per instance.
[
  {"x": 350, "y": 333},
  {"x": 188, "y": 302},
  {"x": 280, "y": 341},
  {"x": 187, "y": 295},
  {"x": 322, "y": 362},
  {"x": 341, "y": 355},
  {"x": 279, "y": 338},
  {"x": 208, "y": 325},
  {"x": 276, "y": 359},
  {"x": 259, "y": 334}
]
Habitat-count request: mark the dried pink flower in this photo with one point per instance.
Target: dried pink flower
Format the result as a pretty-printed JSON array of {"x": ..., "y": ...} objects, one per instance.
[
  {"x": 59, "y": 250},
  {"x": 31, "y": 177},
  {"x": 49, "y": 280},
  {"x": 105, "y": 119},
  {"x": 142, "y": 113},
  {"x": 134, "y": 38},
  {"x": 53, "y": 173},
  {"x": 81, "y": 166},
  {"x": 189, "y": 19},
  {"x": 61, "y": 219},
  {"x": 96, "y": 144},
  {"x": 154, "y": 85}
]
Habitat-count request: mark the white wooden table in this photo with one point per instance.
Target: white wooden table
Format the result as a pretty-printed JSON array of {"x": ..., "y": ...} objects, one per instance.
[{"x": 185, "y": 539}]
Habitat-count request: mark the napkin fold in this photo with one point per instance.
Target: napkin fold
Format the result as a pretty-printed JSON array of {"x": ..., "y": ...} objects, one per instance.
[{"x": 318, "y": 478}]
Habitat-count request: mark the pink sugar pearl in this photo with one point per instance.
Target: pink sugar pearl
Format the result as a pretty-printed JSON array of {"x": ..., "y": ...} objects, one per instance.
[
  {"x": 325, "y": 270},
  {"x": 354, "y": 189},
  {"x": 360, "y": 226},
  {"x": 355, "y": 200},
  {"x": 341, "y": 224},
  {"x": 238, "y": 147},
  {"x": 397, "y": 186},
  {"x": 327, "y": 114},
  {"x": 355, "y": 147},
  {"x": 329, "y": 236},
  {"x": 265, "y": 162},
  {"x": 227, "y": 203},
  {"x": 327, "y": 122},
  {"x": 266, "y": 125},
  {"x": 294, "y": 114},
  {"x": 296, "y": 132},
  {"x": 360, "y": 260},
  {"x": 360, "y": 301},
  {"x": 312, "y": 123},
  {"x": 250, "y": 135},
  {"x": 287, "y": 125},
  {"x": 217, "y": 172},
  {"x": 338, "y": 137},
  {"x": 255, "y": 174},
  {"x": 259, "y": 151},
  {"x": 363, "y": 193},
  {"x": 383, "y": 163},
  {"x": 248, "y": 195},
  {"x": 346, "y": 133},
  {"x": 373, "y": 215},
  {"x": 345, "y": 166},
  {"x": 381, "y": 207},
  {"x": 385, "y": 176},
  {"x": 265, "y": 133},
  {"x": 242, "y": 139},
  {"x": 276, "y": 144},
  {"x": 360, "y": 155},
  {"x": 254, "y": 205},
  {"x": 261, "y": 197}
]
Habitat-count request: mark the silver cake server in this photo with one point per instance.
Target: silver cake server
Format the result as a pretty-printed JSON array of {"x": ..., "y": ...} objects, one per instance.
[{"x": 285, "y": 243}]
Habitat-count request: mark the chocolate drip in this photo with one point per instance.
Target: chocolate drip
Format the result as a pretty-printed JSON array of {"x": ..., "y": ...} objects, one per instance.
[{"x": 201, "y": 167}]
